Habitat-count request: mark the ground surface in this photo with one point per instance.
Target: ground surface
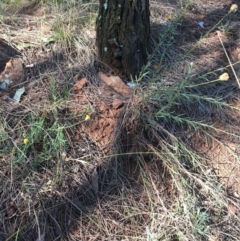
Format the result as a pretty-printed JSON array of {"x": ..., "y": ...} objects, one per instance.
[{"x": 84, "y": 156}]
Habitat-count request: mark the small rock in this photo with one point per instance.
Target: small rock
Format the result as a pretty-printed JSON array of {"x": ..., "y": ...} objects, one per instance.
[
  {"x": 80, "y": 84},
  {"x": 14, "y": 70}
]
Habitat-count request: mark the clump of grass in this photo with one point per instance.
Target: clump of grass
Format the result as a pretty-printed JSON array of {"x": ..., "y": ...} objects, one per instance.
[
  {"x": 164, "y": 137},
  {"x": 67, "y": 24},
  {"x": 63, "y": 31},
  {"x": 168, "y": 118},
  {"x": 33, "y": 149}
]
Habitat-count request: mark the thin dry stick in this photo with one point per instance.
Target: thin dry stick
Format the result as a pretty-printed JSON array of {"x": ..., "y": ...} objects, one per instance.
[{"x": 228, "y": 59}]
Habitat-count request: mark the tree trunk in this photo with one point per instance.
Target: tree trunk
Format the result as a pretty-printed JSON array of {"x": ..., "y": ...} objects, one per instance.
[{"x": 123, "y": 30}]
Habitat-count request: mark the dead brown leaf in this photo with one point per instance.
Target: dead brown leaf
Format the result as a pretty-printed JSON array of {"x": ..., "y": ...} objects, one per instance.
[
  {"x": 116, "y": 83},
  {"x": 232, "y": 209}
]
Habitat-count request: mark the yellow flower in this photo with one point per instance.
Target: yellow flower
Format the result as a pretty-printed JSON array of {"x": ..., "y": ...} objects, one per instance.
[
  {"x": 25, "y": 141},
  {"x": 234, "y": 8},
  {"x": 224, "y": 77},
  {"x": 88, "y": 117}
]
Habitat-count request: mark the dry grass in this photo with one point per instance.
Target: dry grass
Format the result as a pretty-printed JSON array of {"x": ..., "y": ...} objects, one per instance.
[{"x": 172, "y": 170}]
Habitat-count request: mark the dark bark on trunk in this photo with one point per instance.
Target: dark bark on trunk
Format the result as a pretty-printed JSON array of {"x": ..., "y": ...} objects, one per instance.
[{"x": 123, "y": 31}]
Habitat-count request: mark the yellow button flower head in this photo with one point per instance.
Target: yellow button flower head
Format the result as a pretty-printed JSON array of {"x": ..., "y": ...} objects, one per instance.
[
  {"x": 233, "y": 8},
  {"x": 224, "y": 77},
  {"x": 88, "y": 117},
  {"x": 25, "y": 141}
]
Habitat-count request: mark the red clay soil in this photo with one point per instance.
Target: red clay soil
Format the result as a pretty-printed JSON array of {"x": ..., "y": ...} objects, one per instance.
[{"x": 103, "y": 105}]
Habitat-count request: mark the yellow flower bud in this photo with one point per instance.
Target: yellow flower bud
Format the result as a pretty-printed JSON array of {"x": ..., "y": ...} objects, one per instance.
[
  {"x": 25, "y": 141},
  {"x": 234, "y": 8},
  {"x": 88, "y": 117},
  {"x": 224, "y": 77}
]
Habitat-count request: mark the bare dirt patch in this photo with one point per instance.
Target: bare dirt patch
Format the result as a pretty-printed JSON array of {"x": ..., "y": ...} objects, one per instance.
[{"x": 103, "y": 106}]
